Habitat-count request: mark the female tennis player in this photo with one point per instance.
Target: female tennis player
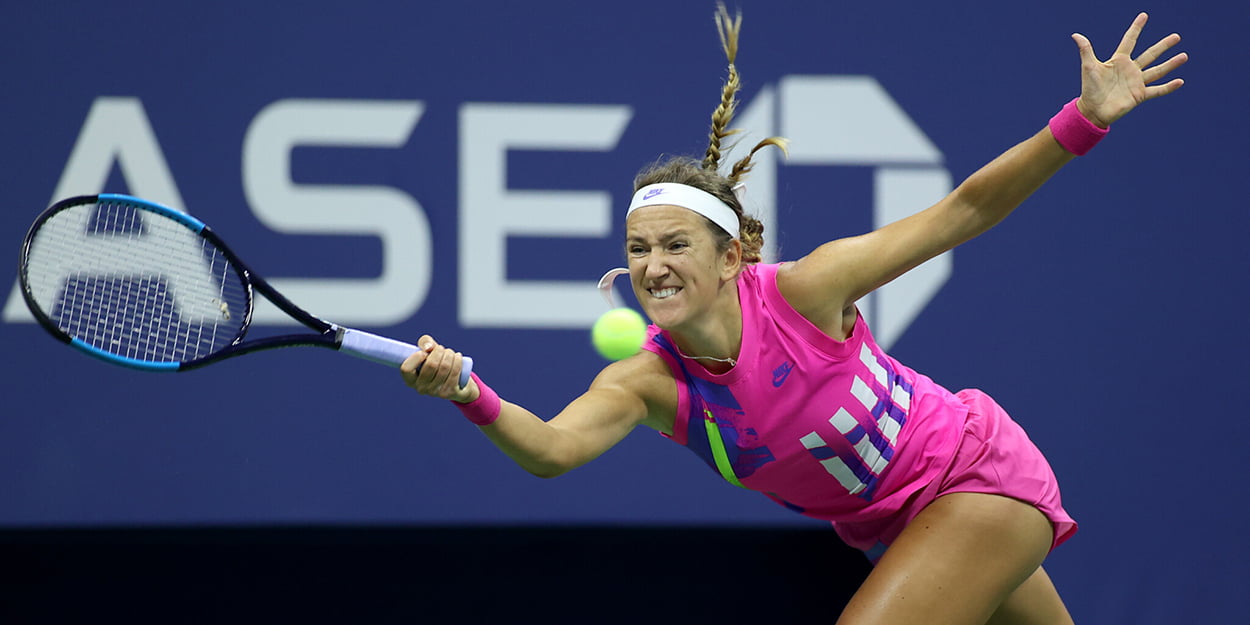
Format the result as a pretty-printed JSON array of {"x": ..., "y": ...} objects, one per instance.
[{"x": 770, "y": 374}]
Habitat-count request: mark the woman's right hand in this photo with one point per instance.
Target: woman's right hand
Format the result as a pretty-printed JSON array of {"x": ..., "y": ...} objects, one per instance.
[{"x": 434, "y": 370}]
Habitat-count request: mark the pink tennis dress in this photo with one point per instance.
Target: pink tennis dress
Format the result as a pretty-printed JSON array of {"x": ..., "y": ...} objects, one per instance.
[{"x": 840, "y": 431}]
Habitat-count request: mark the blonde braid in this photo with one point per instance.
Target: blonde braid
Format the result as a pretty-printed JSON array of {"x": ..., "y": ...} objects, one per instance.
[
  {"x": 727, "y": 27},
  {"x": 705, "y": 175}
]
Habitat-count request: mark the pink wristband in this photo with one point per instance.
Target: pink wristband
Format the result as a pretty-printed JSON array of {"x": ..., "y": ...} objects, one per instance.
[
  {"x": 1073, "y": 131},
  {"x": 483, "y": 410}
]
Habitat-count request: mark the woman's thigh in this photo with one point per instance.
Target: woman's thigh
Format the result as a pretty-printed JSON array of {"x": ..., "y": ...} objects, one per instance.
[{"x": 955, "y": 563}]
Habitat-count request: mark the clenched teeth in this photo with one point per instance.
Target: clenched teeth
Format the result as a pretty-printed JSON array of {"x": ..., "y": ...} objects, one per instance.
[{"x": 664, "y": 293}]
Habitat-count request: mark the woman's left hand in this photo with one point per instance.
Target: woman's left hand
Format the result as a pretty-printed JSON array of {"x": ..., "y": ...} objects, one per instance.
[{"x": 1112, "y": 88}]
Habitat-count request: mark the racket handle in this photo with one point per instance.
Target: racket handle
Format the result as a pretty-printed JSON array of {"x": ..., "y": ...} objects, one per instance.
[{"x": 386, "y": 351}]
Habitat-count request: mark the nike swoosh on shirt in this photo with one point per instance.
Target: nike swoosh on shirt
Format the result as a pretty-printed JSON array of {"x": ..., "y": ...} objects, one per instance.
[{"x": 781, "y": 373}]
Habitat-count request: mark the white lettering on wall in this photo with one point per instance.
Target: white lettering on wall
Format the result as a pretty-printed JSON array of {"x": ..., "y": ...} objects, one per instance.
[
  {"x": 490, "y": 212},
  {"x": 384, "y": 212}
]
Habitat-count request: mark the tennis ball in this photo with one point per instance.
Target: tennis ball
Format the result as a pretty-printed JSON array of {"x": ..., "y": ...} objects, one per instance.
[{"x": 619, "y": 333}]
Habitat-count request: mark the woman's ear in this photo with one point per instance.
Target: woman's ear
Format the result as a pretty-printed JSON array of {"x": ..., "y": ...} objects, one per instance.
[{"x": 732, "y": 261}]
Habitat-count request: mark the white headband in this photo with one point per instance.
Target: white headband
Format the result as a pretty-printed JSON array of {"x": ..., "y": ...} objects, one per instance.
[{"x": 688, "y": 197}]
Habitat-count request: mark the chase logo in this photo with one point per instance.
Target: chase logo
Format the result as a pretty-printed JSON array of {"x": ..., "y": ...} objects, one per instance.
[
  {"x": 868, "y": 130},
  {"x": 781, "y": 373}
]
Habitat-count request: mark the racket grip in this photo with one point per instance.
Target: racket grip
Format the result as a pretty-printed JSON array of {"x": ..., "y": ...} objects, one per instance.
[{"x": 386, "y": 351}]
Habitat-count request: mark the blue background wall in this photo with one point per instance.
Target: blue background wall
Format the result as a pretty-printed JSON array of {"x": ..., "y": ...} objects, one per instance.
[{"x": 1106, "y": 314}]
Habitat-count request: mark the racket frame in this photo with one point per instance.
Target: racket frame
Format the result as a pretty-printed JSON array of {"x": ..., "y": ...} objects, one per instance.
[{"x": 328, "y": 335}]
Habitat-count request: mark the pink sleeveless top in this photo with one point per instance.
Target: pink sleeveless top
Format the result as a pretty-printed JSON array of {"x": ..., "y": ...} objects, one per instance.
[{"x": 835, "y": 430}]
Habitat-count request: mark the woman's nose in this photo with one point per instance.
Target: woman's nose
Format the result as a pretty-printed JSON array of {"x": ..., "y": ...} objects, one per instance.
[{"x": 655, "y": 266}]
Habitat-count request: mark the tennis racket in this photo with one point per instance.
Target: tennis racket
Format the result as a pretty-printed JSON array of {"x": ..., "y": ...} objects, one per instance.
[{"x": 142, "y": 285}]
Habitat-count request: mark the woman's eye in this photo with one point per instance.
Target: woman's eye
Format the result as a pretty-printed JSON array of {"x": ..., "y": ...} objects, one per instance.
[{"x": 677, "y": 246}]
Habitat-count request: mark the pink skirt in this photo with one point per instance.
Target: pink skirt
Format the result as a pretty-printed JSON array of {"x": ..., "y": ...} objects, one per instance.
[{"x": 994, "y": 456}]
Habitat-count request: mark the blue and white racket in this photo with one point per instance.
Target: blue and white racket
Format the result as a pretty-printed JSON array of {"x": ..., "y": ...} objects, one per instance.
[{"x": 145, "y": 286}]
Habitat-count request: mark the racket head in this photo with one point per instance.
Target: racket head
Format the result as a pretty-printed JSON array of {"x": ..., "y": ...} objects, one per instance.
[{"x": 133, "y": 282}]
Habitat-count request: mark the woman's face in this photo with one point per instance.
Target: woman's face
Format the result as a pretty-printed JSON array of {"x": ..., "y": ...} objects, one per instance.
[{"x": 674, "y": 266}]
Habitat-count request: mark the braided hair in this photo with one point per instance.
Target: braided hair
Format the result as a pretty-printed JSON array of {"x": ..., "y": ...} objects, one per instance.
[{"x": 705, "y": 174}]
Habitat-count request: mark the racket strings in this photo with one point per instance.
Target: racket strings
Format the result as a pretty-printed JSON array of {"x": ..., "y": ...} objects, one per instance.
[{"x": 135, "y": 283}]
